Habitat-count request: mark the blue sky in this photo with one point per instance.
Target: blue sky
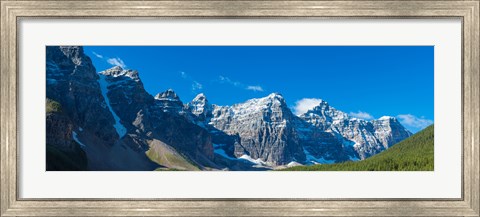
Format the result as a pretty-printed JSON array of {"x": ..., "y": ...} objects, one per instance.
[{"x": 364, "y": 81}]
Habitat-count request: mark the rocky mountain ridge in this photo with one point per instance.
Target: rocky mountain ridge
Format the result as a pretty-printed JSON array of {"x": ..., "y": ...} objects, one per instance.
[
  {"x": 120, "y": 126},
  {"x": 269, "y": 131},
  {"x": 367, "y": 137}
]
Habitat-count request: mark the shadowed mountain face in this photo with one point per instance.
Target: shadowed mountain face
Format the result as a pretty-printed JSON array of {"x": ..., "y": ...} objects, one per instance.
[
  {"x": 72, "y": 82},
  {"x": 112, "y": 123},
  {"x": 112, "y": 118}
]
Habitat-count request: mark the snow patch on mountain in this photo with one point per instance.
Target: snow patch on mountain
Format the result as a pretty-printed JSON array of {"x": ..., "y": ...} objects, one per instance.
[
  {"x": 383, "y": 118},
  {"x": 258, "y": 162},
  {"x": 75, "y": 138},
  {"x": 354, "y": 158},
  {"x": 313, "y": 160},
  {"x": 217, "y": 149},
  {"x": 121, "y": 130},
  {"x": 293, "y": 164}
]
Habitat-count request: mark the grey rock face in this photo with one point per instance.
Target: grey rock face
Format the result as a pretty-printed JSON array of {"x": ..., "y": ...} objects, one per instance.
[
  {"x": 320, "y": 146},
  {"x": 161, "y": 118},
  {"x": 169, "y": 101},
  {"x": 117, "y": 117},
  {"x": 60, "y": 132},
  {"x": 126, "y": 93},
  {"x": 72, "y": 81},
  {"x": 265, "y": 128},
  {"x": 366, "y": 137},
  {"x": 389, "y": 131},
  {"x": 323, "y": 115},
  {"x": 361, "y": 134},
  {"x": 201, "y": 108},
  {"x": 62, "y": 152}
]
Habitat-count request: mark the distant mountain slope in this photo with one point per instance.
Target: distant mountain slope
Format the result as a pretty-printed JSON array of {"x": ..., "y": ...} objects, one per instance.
[{"x": 412, "y": 154}]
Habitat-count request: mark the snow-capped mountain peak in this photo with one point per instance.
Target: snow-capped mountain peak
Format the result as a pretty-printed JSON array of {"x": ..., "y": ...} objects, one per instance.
[
  {"x": 264, "y": 126},
  {"x": 200, "y": 97},
  {"x": 368, "y": 137},
  {"x": 275, "y": 95},
  {"x": 116, "y": 68},
  {"x": 387, "y": 118},
  {"x": 169, "y": 95},
  {"x": 322, "y": 103},
  {"x": 323, "y": 115},
  {"x": 200, "y": 107},
  {"x": 118, "y": 71},
  {"x": 272, "y": 100},
  {"x": 169, "y": 101}
]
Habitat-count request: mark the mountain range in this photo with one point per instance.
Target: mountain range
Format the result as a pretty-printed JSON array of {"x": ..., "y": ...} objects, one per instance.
[{"x": 108, "y": 121}]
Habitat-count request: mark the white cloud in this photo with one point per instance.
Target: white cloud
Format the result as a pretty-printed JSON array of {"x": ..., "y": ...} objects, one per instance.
[
  {"x": 183, "y": 74},
  {"x": 361, "y": 115},
  {"x": 227, "y": 80},
  {"x": 112, "y": 61},
  {"x": 223, "y": 78},
  {"x": 98, "y": 55},
  {"x": 255, "y": 88},
  {"x": 196, "y": 86},
  {"x": 305, "y": 104},
  {"x": 116, "y": 62},
  {"x": 412, "y": 121}
]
